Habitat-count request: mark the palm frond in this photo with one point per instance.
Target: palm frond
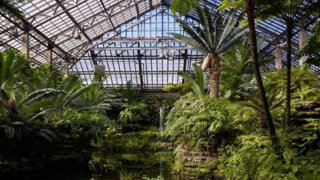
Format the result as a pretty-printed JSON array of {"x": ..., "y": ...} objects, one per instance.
[{"x": 39, "y": 94}]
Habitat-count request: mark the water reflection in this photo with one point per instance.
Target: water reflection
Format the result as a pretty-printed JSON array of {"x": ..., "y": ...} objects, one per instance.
[{"x": 127, "y": 166}]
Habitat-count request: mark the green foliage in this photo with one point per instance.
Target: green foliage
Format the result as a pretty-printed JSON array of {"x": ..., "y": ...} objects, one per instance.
[
  {"x": 133, "y": 108},
  {"x": 180, "y": 88},
  {"x": 82, "y": 123},
  {"x": 213, "y": 35},
  {"x": 235, "y": 4},
  {"x": 33, "y": 98},
  {"x": 183, "y": 6},
  {"x": 133, "y": 112},
  {"x": 128, "y": 93},
  {"x": 304, "y": 83},
  {"x": 195, "y": 119},
  {"x": 304, "y": 87},
  {"x": 195, "y": 82},
  {"x": 236, "y": 72},
  {"x": 13, "y": 67},
  {"x": 253, "y": 157},
  {"x": 68, "y": 91},
  {"x": 131, "y": 141},
  {"x": 284, "y": 9}
]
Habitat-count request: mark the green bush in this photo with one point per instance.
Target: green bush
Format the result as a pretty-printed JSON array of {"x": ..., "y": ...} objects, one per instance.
[
  {"x": 133, "y": 112},
  {"x": 195, "y": 119},
  {"x": 253, "y": 157},
  {"x": 130, "y": 141},
  {"x": 84, "y": 124}
]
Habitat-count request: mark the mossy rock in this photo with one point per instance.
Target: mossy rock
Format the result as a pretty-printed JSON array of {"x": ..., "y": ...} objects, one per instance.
[
  {"x": 195, "y": 162},
  {"x": 308, "y": 114},
  {"x": 307, "y": 105}
]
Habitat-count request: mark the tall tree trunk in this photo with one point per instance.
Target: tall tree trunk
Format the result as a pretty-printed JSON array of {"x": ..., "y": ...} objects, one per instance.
[
  {"x": 262, "y": 119},
  {"x": 214, "y": 76},
  {"x": 254, "y": 54},
  {"x": 289, "y": 23}
]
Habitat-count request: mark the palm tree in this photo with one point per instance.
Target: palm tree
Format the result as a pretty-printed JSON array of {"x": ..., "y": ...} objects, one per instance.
[
  {"x": 10, "y": 8},
  {"x": 213, "y": 36}
]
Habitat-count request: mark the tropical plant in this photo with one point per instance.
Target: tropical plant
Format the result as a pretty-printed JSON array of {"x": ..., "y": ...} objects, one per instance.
[
  {"x": 182, "y": 6},
  {"x": 133, "y": 112},
  {"x": 213, "y": 36},
  {"x": 237, "y": 58},
  {"x": 254, "y": 102},
  {"x": 133, "y": 108},
  {"x": 85, "y": 124},
  {"x": 73, "y": 94},
  {"x": 286, "y": 10},
  {"x": 194, "y": 120},
  {"x": 11, "y": 66},
  {"x": 237, "y": 72},
  {"x": 195, "y": 82},
  {"x": 253, "y": 157},
  {"x": 304, "y": 83},
  {"x": 96, "y": 98},
  {"x": 249, "y": 8},
  {"x": 13, "y": 98}
]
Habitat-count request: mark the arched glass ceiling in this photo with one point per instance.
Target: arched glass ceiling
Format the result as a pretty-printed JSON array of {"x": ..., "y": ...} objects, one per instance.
[
  {"x": 144, "y": 53},
  {"x": 58, "y": 21},
  {"x": 81, "y": 31}
]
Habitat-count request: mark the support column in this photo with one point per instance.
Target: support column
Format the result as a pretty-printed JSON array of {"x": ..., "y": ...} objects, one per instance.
[
  {"x": 25, "y": 41},
  {"x": 139, "y": 57},
  {"x": 94, "y": 57},
  {"x": 66, "y": 68},
  {"x": 185, "y": 59},
  {"x": 303, "y": 35},
  {"x": 49, "y": 55},
  {"x": 278, "y": 56}
]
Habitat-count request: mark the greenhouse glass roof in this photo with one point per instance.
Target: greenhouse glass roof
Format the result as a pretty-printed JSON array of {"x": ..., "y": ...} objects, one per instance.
[{"x": 130, "y": 39}]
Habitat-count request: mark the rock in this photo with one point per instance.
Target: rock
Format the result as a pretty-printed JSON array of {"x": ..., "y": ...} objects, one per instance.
[
  {"x": 309, "y": 114},
  {"x": 307, "y": 105}
]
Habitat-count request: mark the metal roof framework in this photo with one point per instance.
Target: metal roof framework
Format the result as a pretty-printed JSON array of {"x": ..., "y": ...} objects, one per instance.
[{"x": 130, "y": 38}]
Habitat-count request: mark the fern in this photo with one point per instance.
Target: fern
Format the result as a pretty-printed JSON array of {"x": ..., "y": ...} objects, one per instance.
[{"x": 194, "y": 119}]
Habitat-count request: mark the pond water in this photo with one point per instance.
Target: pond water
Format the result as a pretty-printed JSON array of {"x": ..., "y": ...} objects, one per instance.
[{"x": 123, "y": 166}]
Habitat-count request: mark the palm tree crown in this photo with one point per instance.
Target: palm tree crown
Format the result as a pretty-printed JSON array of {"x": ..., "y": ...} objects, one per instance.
[{"x": 213, "y": 36}]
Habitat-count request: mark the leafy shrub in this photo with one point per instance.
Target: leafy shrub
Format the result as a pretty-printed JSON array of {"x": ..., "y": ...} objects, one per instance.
[
  {"x": 253, "y": 157},
  {"x": 304, "y": 83},
  {"x": 133, "y": 112},
  {"x": 84, "y": 124},
  {"x": 195, "y": 119},
  {"x": 130, "y": 141}
]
